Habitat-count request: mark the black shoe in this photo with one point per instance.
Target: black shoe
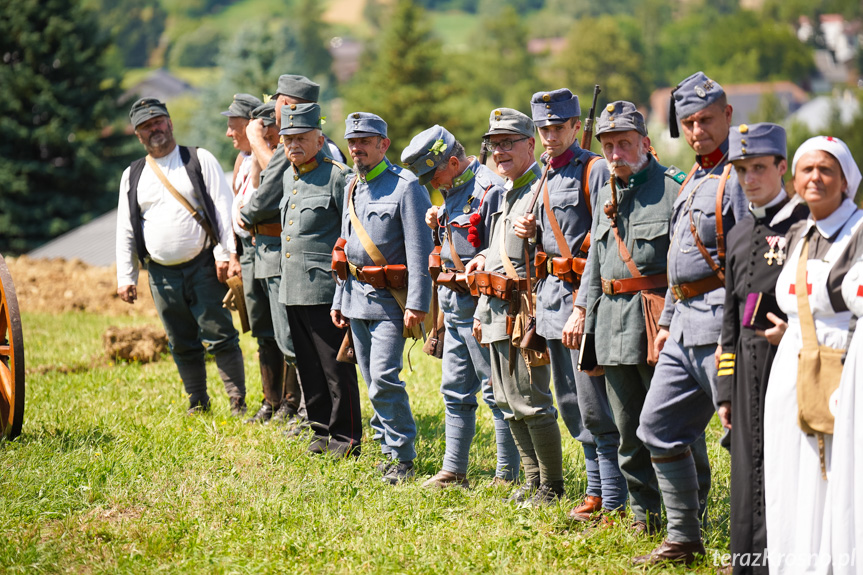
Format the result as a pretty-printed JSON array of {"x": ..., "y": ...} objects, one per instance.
[
  {"x": 264, "y": 414},
  {"x": 343, "y": 449},
  {"x": 284, "y": 414},
  {"x": 546, "y": 494},
  {"x": 198, "y": 407},
  {"x": 523, "y": 493},
  {"x": 238, "y": 406},
  {"x": 384, "y": 466},
  {"x": 399, "y": 472},
  {"x": 319, "y": 445}
]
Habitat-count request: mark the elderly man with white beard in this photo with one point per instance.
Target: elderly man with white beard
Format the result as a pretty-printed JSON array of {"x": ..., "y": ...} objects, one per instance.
[{"x": 627, "y": 261}]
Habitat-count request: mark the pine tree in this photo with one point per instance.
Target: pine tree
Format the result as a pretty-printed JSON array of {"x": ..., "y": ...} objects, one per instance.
[
  {"x": 57, "y": 102},
  {"x": 402, "y": 79}
]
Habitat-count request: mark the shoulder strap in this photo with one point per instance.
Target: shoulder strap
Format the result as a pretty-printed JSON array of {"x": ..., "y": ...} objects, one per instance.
[
  {"x": 720, "y": 232},
  {"x": 807, "y": 323},
  {"x": 555, "y": 226},
  {"x": 183, "y": 201},
  {"x": 459, "y": 265},
  {"x": 585, "y": 183},
  {"x": 621, "y": 246},
  {"x": 365, "y": 239}
]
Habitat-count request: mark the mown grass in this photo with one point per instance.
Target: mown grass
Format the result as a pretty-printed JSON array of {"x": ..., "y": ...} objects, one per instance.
[{"x": 109, "y": 476}]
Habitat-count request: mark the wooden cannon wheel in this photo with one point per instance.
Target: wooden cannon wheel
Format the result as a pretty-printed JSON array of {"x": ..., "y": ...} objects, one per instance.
[{"x": 11, "y": 358}]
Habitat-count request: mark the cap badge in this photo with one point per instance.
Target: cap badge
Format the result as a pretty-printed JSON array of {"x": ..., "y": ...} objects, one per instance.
[
  {"x": 429, "y": 163},
  {"x": 699, "y": 91},
  {"x": 744, "y": 128},
  {"x": 356, "y": 116},
  {"x": 546, "y": 97},
  {"x": 609, "y": 108}
]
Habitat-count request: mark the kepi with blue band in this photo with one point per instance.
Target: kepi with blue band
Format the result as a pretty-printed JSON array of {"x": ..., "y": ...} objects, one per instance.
[
  {"x": 690, "y": 96},
  {"x": 751, "y": 140},
  {"x": 554, "y": 107},
  {"x": 426, "y": 151}
]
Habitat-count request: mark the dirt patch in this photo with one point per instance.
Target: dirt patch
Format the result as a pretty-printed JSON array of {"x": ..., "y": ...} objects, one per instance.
[
  {"x": 144, "y": 343},
  {"x": 57, "y": 286}
]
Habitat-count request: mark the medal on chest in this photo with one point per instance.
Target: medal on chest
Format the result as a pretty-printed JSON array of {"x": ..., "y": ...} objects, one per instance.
[{"x": 776, "y": 253}]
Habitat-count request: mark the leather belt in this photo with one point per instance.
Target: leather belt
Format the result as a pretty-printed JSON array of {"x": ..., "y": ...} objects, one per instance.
[
  {"x": 498, "y": 285},
  {"x": 696, "y": 288},
  {"x": 273, "y": 230},
  {"x": 633, "y": 285}
]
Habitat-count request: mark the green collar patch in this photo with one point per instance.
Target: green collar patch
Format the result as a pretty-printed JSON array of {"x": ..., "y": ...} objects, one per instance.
[
  {"x": 464, "y": 178},
  {"x": 524, "y": 179},
  {"x": 376, "y": 171}
]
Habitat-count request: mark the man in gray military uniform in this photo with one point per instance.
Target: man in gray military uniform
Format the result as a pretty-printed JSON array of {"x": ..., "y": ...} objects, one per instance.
[
  {"x": 314, "y": 190},
  {"x": 571, "y": 174},
  {"x": 638, "y": 214},
  {"x": 261, "y": 214},
  {"x": 680, "y": 401},
  {"x": 472, "y": 193},
  {"x": 387, "y": 291},
  {"x": 522, "y": 391}
]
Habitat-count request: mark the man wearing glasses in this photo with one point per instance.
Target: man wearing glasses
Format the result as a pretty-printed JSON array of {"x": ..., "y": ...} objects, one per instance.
[{"x": 521, "y": 390}]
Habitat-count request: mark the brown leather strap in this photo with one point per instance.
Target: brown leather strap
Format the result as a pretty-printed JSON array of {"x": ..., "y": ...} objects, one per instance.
[
  {"x": 202, "y": 221},
  {"x": 272, "y": 230},
  {"x": 365, "y": 239},
  {"x": 633, "y": 285},
  {"x": 720, "y": 232},
  {"x": 555, "y": 226},
  {"x": 697, "y": 288},
  {"x": 459, "y": 265},
  {"x": 621, "y": 246}
]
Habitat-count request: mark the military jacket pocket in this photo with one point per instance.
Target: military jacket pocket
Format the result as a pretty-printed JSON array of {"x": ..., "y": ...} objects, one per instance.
[
  {"x": 704, "y": 217},
  {"x": 381, "y": 212},
  {"x": 314, "y": 213},
  {"x": 650, "y": 242}
]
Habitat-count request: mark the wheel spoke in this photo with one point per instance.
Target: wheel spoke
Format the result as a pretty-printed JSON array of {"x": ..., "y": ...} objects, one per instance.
[
  {"x": 6, "y": 384},
  {"x": 5, "y": 350}
]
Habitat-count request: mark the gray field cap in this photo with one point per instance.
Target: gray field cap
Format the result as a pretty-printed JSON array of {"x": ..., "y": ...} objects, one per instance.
[
  {"x": 298, "y": 87},
  {"x": 266, "y": 112},
  {"x": 509, "y": 121},
  {"x": 145, "y": 109},
  {"x": 750, "y": 140},
  {"x": 554, "y": 107},
  {"x": 690, "y": 96},
  {"x": 242, "y": 106},
  {"x": 300, "y": 118},
  {"x": 426, "y": 151},
  {"x": 620, "y": 116},
  {"x": 364, "y": 125}
]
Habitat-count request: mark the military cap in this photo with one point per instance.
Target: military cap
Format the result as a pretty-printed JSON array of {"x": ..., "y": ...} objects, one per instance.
[
  {"x": 426, "y": 151},
  {"x": 298, "y": 87},
  {"x": 690, "y": 96},
  {"x": 363, "y": 125},
  {"x": 750, "y": 140},
  {"x": 620, "y": 116},
  {"x": 242, "y": 106},
  {"x": 266, "y": 112},
  {"x": 554, "y": 107},
  {"x": 300, "y": 118},
  {"x": 509, "y": 121},
  {"x": 146, "y": 108}
]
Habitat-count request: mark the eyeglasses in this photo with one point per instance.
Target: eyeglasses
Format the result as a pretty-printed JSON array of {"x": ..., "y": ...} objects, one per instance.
[{"x": 503, "y": 145}]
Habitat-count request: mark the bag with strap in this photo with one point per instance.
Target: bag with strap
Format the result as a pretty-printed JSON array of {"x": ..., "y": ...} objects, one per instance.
[
  {"x": 401, "y": 294},
  {"x": 652, "y": 303},
  {"x": 819, "y": 367}
]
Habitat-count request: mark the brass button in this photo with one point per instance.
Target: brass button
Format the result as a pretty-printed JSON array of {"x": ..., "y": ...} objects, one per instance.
[
  {"x": 287, "y": 255},
  {"x": 287, "y": 238},
  {"x": 296, "y": 178},
  {"x": 295, "y": 191},
  {"x": 293, "y": 206},
  {"x": 290, "y": 222}
]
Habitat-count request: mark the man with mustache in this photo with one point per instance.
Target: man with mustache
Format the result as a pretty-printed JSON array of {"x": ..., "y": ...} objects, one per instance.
[
  {"x": 187, "y": 254},
  {"x": 388, "y": 290},
  {"x": 644, "y": 193},
  {"x": 682, "y": 394}
]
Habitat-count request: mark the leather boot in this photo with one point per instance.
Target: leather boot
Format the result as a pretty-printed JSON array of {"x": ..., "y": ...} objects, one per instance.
[
  {"x": 672, "y": 552},
  {"x": 446, "y": 478},
  {"x": 272, "y": 374},
  {"x": 264, "y": 414},
  {"x": 293, "y": 393},
  {"x": 586, "y": 510}
]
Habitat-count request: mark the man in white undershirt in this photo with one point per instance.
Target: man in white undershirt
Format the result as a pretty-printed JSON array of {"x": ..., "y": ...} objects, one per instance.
[{"x": 186, "y": 263}]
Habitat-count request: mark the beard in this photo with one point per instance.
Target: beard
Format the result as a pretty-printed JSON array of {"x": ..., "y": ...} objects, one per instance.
[
  {"x": 157, "y": 140},
  {"x": 635, "y": 166}
]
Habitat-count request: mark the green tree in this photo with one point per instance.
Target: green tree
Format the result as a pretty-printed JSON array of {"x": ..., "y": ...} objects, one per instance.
[
  {"x": 605, "y": 51},
  {"x": 402, "y": 78},
  {"x": 57, "y": 102},
  {"x": 135, "y": 25}
]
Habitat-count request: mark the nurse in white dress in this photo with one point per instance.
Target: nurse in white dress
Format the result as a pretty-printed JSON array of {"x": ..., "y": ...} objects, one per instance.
[
  {"x": 847, "y": 476},
  {"x": 797, "y": 495}
]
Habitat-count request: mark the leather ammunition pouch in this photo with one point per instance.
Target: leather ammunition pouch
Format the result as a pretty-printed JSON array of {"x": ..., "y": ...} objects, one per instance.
[
  {"x": 340, "y": 260},
  {"x": 565, "y": 269},
  {"x": 380, "y": 277},
  {"x": 435, "y": 264},
  {"x": 455, "y": 281},
  {"x": 273, "y": 230}
]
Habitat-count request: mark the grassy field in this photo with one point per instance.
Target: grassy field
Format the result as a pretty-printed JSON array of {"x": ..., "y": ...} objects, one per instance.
[{"x": 109, "y": 476}]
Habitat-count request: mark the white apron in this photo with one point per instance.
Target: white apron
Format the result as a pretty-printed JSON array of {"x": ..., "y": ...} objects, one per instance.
[
  {"x": 847, "y": 475},
  {"x": 797, "y": 497}
]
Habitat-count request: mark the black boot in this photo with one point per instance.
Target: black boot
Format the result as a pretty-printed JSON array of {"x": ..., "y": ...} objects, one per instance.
[{"x": 263, "y": 415}]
